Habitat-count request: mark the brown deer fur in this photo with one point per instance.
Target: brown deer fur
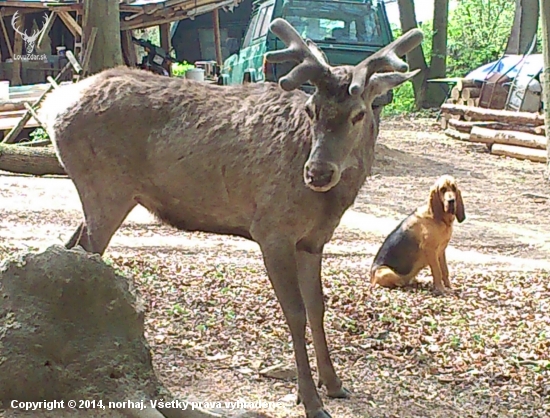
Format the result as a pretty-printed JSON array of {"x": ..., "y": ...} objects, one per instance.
[{"x": 260, "y": 161}]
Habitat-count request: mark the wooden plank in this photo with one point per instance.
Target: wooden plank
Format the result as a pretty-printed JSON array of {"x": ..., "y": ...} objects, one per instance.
[
  {"x": 7, "y": 124},
  {"x": 46, "y": 29},
  {"x": 5, "y": 32},
  {"x": 521, "y": 153},
  {"x": 71, "y": 23},
  {"x": 217, "y": 36}
]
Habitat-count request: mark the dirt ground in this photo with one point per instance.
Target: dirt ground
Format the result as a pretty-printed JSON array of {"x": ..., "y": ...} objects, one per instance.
[{"x": 213, "y": 321}]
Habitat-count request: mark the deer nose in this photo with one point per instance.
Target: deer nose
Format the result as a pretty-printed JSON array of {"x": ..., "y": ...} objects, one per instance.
[{"x": 317, "y": 176}]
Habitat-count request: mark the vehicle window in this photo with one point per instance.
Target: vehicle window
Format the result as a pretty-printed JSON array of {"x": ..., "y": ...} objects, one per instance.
[
  {"x": 261, "y": 18},
  {"x": 336, "y": 21},
  {"x": 267, "y": 20},
  {"x": 250, "y": 30}
]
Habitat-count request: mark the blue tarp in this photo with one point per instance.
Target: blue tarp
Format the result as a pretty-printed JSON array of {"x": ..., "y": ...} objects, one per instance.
[{"x": 510, "y": 65}]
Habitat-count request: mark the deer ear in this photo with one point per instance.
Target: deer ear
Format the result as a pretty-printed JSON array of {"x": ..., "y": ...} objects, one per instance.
[{"x": 381, "y": 83}]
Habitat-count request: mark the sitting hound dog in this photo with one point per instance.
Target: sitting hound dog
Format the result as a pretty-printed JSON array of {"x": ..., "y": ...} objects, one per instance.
[{"x": 420, "y": 240}]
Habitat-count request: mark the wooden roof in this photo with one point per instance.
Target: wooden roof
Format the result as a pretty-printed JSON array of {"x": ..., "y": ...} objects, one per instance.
[{"x": 136, "y": 14}]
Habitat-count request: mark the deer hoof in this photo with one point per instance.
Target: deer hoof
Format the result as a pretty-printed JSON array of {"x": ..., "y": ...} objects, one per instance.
[
  {"x": 341, "y": 393},
  {"x": 320, "y": 413}
]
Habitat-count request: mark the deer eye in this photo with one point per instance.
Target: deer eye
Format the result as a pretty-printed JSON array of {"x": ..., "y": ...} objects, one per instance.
[
  {"x": 358, "y": 117},
  {"x": 309, "y": 111}
]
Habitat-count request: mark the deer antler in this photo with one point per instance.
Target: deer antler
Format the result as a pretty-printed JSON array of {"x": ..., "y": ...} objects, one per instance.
[
  {"x": 386, "y": 59},
  {"x": 310, "y": 67},
  {"x": 14, "y": 24}
]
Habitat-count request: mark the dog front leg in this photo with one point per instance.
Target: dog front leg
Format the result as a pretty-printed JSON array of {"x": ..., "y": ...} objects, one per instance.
[
  {"x": 444, "y": 270},
  {"x": 437, "y": 274}
]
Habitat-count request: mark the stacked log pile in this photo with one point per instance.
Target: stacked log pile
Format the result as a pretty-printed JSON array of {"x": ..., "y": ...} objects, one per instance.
[
  {"x": 514, "y": 134},
  {"x": 466, "y": 92}
]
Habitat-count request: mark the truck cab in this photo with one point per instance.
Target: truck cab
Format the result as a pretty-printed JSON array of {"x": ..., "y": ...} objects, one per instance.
[{"x": 347, "y": 31}]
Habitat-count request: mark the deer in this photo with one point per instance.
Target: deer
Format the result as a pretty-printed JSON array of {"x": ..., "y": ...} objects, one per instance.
[
  {"x": 30, "y": 40},
  {"x": 263, "y": 161}
]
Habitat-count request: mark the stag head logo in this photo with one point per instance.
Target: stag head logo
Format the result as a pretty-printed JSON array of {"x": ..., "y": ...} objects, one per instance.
[{"x": 30, "y": 40}]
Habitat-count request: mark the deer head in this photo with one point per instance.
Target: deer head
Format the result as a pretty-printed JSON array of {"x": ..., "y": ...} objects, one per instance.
[
  {"x": 340, "y": 109},
  {"x": 30, "y": 40}
]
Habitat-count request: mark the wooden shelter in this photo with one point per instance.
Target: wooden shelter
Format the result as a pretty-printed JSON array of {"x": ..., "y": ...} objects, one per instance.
[{"x": 64, "y": 24}]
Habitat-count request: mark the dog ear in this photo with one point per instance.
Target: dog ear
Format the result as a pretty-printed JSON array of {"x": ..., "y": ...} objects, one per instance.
[
  {"x": 436, "y": 205},
  {"x": 460, "y": 214}
]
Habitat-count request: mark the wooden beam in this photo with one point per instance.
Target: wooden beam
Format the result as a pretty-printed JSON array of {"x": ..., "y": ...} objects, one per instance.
[
  {"x": 217, "y": 36},
  {"x": 5, "y": 31},
  {"x": 71, "y": 24},
  {"x": 46, "y": 29},
  {"x": 128, "y": 48},
  {"x": 16, "y": 67},
  {"x": 165, "y": 41}
]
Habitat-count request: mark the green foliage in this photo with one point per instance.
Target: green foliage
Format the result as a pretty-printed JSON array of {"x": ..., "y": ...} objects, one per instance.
[
  {"x": 477, "y": 34},
  {"x": 38, "y": 134},
  {"x": 180, "y": 68}
]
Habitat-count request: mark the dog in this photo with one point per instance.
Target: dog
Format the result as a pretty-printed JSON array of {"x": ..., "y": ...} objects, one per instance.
[{"x": 420, "y": 240}]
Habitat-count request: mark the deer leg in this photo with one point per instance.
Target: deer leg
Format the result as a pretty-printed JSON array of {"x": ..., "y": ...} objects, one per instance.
[
  {"x": 76, "y": 236},
  {"x": 280, "y": 262},
  {"x": 104, "y": 213},
  {"x": 311, "y": 287}
]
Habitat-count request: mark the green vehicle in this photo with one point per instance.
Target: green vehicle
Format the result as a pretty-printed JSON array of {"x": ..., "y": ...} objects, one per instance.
[{"x": 347, "y": 31}]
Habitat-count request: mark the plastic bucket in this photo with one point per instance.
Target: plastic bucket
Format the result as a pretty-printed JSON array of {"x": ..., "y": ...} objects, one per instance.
[
  {"x": 196, "y": 74},
  {"x": 4, "y": 90}
]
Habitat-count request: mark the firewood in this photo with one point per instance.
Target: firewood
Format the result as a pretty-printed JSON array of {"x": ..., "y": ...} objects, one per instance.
[
  {"x": 452, "y": 133},
  {"x": 491, "y": 136},
  {"x": 455, "y": 94},
  {"x": 470, "y": 93},
  {"x": 482, "y": 114},
  {"x": 465, "y": 126},
  {"x": 467, "y": 83},
  {"x": 522, "y": 153},
  {"x": 38, "y": 161}
]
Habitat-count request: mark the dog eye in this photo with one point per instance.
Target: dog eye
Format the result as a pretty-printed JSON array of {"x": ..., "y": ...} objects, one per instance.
[
  {"x": 358, "y": 117},
  {"x": 309, "y": 111},
  {"x": 443, "y": 190}
]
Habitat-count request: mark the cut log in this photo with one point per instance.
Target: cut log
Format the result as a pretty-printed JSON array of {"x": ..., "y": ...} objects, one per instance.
[
  {"x": 466, "y": 83},
  {"x": 465, "y": 126},
  {"x": 491, "y": 136},
  {"x": 443, "y": 122},
  {"x": 470, "y": 93},
  {"x": 521, "y": 153},
  {"x": 38, "y": 161},
  {"x": 505, "y": 116},
  {"x": 12, "y": 106},
  {"x": 452, "y": 133},
  {"x": 471, "y": 102},
  {"x": 455, "y": 93}
]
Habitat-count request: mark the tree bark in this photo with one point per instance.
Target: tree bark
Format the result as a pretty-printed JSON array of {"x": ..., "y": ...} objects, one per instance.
[
  {"x": 104, "y": 15},
  {"x": 465, "y": 126},
  {"x": 435, "y": 95},
  {"x": 524, "y": 27},
  {"x": 415, "y": 58},
  {"x": 521, "y": 153},
  {"x": 545, "y": 76},
  {"x": 29, "y": 160},
  {"x": 491, "y": 136},
  {"x": 504, "y": 116}
]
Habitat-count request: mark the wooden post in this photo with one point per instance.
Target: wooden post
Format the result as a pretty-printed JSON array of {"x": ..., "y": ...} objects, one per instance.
[
  {"x": 165, "y": 41},
  {"x": 217, "y": 36},
  {"x": 545, "y": 20},
  {"x": 16, "y": 79}
]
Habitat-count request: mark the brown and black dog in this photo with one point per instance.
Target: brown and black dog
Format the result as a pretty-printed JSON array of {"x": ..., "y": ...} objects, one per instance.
[{"x": 420, "y": 240}]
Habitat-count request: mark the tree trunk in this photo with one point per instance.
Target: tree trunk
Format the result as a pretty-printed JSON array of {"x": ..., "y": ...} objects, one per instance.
[
  {"x": 521, "y": 153},
  {"x": 504, "y": 116},
  {"x": 545, "y": 76},
  {"x": 524, "y": 28},
  {"x": 435, "y": 95},
  {"x": 107, "y": 51},
  {"x": 29, "y": 160},
  {"x": 491, "y": 136},
  {"x": 415, "y": 58}
]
